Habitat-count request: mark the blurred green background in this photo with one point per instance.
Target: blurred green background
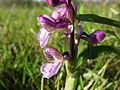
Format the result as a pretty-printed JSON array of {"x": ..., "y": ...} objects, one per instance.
[{"x": 21, "y": 55}]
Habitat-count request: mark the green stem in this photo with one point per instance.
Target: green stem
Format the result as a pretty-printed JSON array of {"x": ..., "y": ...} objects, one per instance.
[
  {"x": 68, "y": 63},
  {"x": 72, "y": 76}
]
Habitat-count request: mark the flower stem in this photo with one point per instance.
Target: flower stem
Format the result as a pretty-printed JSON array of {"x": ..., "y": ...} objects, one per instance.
[
  {"x": 68, "y": 63},
  {"x": 72, "y": 43},
  {"x": 72, "y": 76},
  {"x": 42, "y": 84}
]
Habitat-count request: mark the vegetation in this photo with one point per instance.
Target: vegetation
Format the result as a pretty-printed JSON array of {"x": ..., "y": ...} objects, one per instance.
[{"x": 21, "y": 55}]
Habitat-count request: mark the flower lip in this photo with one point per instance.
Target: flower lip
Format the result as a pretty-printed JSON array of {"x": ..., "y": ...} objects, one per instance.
[
  {"x": 43, "y": 37},
  {"x": 50, "y": 69}
]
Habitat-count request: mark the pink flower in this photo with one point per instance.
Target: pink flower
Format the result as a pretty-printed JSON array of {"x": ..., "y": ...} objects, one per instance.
[
  {"x": 49, "y": 25},
  {"x": 55, "y": 58}
]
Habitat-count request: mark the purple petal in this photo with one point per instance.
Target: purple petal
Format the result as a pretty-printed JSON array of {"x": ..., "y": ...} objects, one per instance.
[
  {"x": 52, "y": 55},
  {"x": 63, "y": 23},
  {"x": 43, "y": 37},
  {"x": 50, "y": 69},
  {"x": 45, "y": 18},
  {"x": 47, "y": 22}
]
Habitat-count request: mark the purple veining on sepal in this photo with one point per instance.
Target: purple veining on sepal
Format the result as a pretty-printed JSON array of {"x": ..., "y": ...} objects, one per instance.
[
  {"x": 43, "y": 37},
  {"x": 47, "y": 22},
  {"x": 50, "y": 69},
  {"x": 50, "y": 24},
  {"x": 95, "y": 37},
  {"x": 52, "y": 55}
]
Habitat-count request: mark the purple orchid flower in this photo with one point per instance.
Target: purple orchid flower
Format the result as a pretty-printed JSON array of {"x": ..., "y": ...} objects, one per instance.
[
  {"x": 95, "y": 37},
  {"x": 50, "y": 24},
  {"x": 55, "y": 58},
  {"x": 59, "y": 19}
]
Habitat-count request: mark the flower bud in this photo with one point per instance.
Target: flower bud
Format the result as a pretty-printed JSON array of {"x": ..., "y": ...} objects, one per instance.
[{"x": 95, "y": 37}]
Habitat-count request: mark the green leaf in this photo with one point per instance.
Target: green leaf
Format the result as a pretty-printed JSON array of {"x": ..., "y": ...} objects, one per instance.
[
  {"x": 98, "y": 19},
  {"x": 96, "y": 50}
]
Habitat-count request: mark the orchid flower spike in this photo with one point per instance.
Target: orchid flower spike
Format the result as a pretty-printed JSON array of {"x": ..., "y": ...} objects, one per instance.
[{"x": 55, "y": 58}]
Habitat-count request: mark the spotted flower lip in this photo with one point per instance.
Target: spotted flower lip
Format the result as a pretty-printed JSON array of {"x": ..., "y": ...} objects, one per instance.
[
  {"x": 52, "y": 55},
  {"x": 50, "y": 69},
  {"x": 95, "y": 37},
  {"x": 55, "y": 3},
  {"x": 43, "y": 37}
]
